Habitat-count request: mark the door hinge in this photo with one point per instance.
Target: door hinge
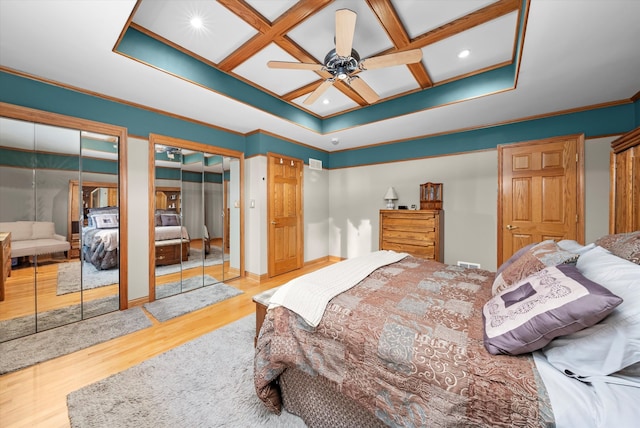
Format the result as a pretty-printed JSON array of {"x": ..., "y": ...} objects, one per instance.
[
  {"x": 576, "y": 218},
  {"x": 576, "y": 158}
]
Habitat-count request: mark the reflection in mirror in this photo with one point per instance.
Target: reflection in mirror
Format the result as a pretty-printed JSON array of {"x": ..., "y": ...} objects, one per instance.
[
  {"x": 46, "y": 287},
  {"x": 99, "y": 221},
  {"x": 201, "y": 181}
]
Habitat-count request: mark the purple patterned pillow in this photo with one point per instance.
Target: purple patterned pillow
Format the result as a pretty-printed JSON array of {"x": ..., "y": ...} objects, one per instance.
[
  {"x": 624, "y": 245},
  {"x": 533, "y": 259},
  {"x": 170, "y": 220},
  {"x": 553, "y": 302}
]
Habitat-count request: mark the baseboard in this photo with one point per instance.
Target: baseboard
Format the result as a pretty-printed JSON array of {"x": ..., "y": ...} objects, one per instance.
[
  {"x": 264, "y": 277},
  {"x": 138, "y": 302}
]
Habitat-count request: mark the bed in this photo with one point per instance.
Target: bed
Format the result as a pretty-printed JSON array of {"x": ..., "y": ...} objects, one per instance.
[
  {"x": 550, "y": 339},
  {"x": 100, "y": 238}
]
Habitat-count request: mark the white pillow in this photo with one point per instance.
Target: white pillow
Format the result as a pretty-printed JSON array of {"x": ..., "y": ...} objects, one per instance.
[
  {"x": 575, "y": 247},
  {"x": 614, "y": 343},
  {"x": 105, "y": 221}
]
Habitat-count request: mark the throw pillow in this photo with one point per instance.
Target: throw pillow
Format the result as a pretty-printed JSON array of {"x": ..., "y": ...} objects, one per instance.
[
  {"x": 625, "y": 245},
  {"x": 535, "y": 258},
  {"x": 553, "y": 302},
  {"x": 106, "y": 221},
  {"x": 170, "y": 220}
]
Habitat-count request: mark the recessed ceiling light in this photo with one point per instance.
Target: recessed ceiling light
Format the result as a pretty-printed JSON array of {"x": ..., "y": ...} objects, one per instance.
[
  {"x": 325, "y": 101},
  {"x": 196, "y": 22},
  {"x": 464, "y": 53}
]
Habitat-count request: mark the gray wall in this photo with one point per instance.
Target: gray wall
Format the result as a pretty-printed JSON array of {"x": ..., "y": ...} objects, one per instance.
[
  {"x": 340, "y": 206},
  {"x": 470, "y": 201}
]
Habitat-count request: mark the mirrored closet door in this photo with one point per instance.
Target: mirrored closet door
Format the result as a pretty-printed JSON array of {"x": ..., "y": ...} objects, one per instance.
[
  {"x": 53, "y": 179},
  {"x": 196, "y": 212}
]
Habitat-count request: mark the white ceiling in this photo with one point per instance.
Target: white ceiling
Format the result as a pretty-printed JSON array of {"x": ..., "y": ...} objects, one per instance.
[{"x": 576, "y": 53}]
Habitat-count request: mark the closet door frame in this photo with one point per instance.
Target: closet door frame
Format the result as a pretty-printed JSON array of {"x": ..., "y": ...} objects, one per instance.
[
  {"x": 54, "y": 119},
  {"x": 157, "y": 139}
]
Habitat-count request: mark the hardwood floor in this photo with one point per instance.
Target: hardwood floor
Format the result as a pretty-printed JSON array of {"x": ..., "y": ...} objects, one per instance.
[{"x": 36, "y": 396}]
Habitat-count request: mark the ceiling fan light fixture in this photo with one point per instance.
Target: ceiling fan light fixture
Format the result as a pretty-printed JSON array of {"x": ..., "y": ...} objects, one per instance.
[{"x": 341, "y": 73}]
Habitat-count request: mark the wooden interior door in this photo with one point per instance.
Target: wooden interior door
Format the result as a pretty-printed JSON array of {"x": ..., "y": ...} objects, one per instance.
[
  {"x": 540, "y": 193},
  {"x": 284, "y": 214}
]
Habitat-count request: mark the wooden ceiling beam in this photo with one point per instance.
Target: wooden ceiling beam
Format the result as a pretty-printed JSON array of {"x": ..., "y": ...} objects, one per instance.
[
  {"x": 267, "y": 33},
  {"x": 390, "y": 21},
  {"x": 467, "y": 22}
]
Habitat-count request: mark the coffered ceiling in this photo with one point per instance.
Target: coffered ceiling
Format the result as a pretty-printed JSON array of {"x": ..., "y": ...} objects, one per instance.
[
  {"x": 527, "y": 58},
  {"x": 257, "y": 31}
]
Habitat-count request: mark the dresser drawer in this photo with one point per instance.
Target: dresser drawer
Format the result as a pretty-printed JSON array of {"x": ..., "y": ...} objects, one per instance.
[
  {"x": 425, "y": 252},
  {"x": 417, "y": 232}
]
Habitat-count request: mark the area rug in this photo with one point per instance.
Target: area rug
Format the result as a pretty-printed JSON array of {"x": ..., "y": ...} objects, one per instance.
[
  {"x": 69, "y": 277},
  {"x": 46, "y": 345},
  {"x": 21, "y": 326},
  {"x": 207, "y": 382},
  {"x": 69, "y": 273},
  {"x": 180, "y": 304},
  {"x": 188, "y": 284}
]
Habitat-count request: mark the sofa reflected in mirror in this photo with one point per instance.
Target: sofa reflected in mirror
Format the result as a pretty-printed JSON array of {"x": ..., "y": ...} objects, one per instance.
[{"x": 44, "y": 160}]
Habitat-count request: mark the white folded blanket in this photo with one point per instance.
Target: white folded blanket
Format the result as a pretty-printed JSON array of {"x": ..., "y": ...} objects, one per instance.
[{"x": 308, "y": 295}]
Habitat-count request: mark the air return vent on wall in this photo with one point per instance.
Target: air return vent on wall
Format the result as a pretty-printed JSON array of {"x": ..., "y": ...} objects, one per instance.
[
  {"x": 315, "y": 164},
  {"x": 469, "y": 265}
]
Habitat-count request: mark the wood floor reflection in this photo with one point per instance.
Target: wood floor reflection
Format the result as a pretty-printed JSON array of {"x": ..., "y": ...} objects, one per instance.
[
  {"x": 36, "y": 396},
  {"x": 20, "y": 289}
]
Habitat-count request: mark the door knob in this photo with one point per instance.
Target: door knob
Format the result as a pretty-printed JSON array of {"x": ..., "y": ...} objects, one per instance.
[
  {"x": 510, "y": 227},
  {"x": 273, "y": 222}
]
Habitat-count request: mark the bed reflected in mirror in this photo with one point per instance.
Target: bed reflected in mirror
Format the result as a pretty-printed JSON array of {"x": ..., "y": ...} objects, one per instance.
[{"x": 192, "y": 195}]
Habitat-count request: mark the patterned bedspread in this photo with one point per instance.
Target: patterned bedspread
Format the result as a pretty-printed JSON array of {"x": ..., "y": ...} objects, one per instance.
[
  {"x": 100, "y": 247},
  {"x": 407, "y": 344}
]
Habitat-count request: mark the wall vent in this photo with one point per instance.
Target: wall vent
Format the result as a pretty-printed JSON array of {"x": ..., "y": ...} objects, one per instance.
[
  {"x": 469, "y": 265},
  {"x": 315, "y": 164}
]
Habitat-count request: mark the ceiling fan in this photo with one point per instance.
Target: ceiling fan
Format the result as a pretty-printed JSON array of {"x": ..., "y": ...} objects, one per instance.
[{"x": 344, "y": 63}]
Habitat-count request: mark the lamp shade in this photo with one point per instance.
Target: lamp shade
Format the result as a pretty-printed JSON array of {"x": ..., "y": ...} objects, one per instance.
[{"x": 391, "y": 194}]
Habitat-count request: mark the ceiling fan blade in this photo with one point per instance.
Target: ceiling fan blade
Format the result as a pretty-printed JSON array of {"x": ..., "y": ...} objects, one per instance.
[
  {"x": 345, "y": 29},
  {"x": 319, "y": 91},
  {"x": 294, "y": 65},
  {"x": 364, "y": 90},
  {"x": 398, "y": 58}
]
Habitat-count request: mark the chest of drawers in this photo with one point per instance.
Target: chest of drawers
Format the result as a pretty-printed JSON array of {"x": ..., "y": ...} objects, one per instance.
[{"x": 417, "y": 232}]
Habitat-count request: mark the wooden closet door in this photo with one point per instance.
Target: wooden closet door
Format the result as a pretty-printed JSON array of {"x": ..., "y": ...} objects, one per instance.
[
  {"x": 284, "y": 214},
  {"x": 540, "y": 193}
]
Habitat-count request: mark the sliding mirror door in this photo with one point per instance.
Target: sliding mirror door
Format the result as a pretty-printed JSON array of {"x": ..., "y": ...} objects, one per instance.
[
  {"x": 98, "y": 224},
  {"x": 197, "y": 176},
  {"x": 57, "y": 281},
  {"x": 172, "y": 242},
  {"x": 42, "y": 168}
]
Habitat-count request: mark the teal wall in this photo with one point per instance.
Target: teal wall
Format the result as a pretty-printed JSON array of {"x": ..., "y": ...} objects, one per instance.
[{"x": 43, "y": 96}]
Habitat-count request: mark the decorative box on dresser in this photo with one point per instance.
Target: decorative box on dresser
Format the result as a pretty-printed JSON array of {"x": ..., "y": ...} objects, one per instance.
[
  {"x": 5, "y": 259},
  {"x": 624, "y": 205},
  {"x": 417, "y": 232}
]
